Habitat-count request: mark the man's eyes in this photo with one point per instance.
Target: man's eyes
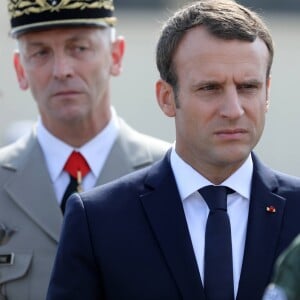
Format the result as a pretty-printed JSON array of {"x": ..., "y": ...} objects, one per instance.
[
  {"x": 247, "y": 86},
  {"x": 39, "y": 53},
  {"x": 209, "y": 87},
  {"x": 79, "y": 48}
]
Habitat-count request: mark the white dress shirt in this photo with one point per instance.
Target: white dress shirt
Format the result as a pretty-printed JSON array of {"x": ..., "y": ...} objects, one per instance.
[
  {"x": 95, "y": 152},
  {"x": 196, "y": 210}
]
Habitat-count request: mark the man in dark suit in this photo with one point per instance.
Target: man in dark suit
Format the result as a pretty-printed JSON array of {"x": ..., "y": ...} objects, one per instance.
[{"x": 157, "y": 233}]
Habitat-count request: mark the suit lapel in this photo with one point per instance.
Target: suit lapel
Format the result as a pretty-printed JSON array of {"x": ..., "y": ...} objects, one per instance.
[
  {"x": 263, "y": 233},
  {"x": 126, "y": 155},
  {"x": 164, "y": 210},
  {"x": 37, "y": 201},
  {"x": 116, "y": 164}
]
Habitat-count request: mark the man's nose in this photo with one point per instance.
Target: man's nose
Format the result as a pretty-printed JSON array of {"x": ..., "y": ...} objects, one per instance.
[
  {"x": 232, "y": 106},
  {"x": 62, "y": 67}
]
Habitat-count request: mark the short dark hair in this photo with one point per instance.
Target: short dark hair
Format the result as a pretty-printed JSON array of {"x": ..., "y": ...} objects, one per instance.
[{"x": 224, "y": 19}]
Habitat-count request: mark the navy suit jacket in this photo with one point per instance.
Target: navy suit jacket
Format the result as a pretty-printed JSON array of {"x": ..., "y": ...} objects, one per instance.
[{"x": 129, "y": 239}]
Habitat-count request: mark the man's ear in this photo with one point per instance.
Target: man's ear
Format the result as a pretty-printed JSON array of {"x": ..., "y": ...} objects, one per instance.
[
  {"x": 165, "y": 98},
  {"x": 118, "y": 49},
  {"x": 19, "y": 69}
]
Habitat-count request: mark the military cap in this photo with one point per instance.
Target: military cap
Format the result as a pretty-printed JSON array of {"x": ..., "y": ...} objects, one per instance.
[{"x": 29, "y": 15}]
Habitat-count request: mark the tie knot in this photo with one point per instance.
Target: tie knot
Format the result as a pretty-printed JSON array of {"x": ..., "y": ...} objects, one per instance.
[
  {"x": 76, "y": 164},
  {"x": 215, "y": 196}
]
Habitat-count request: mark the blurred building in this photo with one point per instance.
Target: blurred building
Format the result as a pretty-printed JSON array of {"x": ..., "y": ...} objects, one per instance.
[
  {"x": 266, "y": 5},
  {"x": 138, "y": 3},
  {"x": 273, "y": 5}
]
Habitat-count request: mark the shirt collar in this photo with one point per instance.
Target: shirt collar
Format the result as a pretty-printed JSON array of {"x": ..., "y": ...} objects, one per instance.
[
  {"x": 240, "y": 180},
  {"x": 56, "y": 151}
]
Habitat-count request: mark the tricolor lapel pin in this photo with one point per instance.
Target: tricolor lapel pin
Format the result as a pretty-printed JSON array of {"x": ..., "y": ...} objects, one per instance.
[{"x": 271, "y": 209}]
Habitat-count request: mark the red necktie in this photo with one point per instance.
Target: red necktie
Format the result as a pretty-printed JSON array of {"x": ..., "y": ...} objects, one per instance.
[{"x": 77, "y": 167}]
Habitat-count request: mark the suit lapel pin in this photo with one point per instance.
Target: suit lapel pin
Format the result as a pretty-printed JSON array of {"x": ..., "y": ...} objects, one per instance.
[{"x": 271, "y": 209}]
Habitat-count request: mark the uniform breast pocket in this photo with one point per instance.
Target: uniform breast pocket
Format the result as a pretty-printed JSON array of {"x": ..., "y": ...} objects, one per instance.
[{"x": 14, "y": 267}]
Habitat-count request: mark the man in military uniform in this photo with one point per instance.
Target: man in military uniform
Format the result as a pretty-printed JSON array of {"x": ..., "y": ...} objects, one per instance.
[
  {"x": 285, "y": 284},
  {"x": 67, "y": 53}
]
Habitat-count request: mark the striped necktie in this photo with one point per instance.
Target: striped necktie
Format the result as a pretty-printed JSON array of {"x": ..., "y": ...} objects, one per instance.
[{"x": 77, "y": 167}]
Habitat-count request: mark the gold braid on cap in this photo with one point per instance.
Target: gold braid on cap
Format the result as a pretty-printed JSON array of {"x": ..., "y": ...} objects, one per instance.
[{"x": 18, "y": 8}]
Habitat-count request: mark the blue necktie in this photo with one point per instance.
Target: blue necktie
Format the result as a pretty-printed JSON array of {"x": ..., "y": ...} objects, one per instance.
[{"x": 218, "y": 273}]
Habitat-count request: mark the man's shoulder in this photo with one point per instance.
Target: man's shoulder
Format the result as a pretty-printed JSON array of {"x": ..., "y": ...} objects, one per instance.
[
  {"x": 155, "y": 145},
  {"x": 15, "y": 152},
  {"x": 131, "y": 185},
  {"x": 279, "y": 180},
  {"x": 137, "y": 142},
  {"x": 126, "y": 184},
  {"x": 288, "y": 182}
]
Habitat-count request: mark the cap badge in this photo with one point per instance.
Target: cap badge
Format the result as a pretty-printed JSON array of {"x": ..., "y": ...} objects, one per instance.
[{"x": 18, "y": 8}]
